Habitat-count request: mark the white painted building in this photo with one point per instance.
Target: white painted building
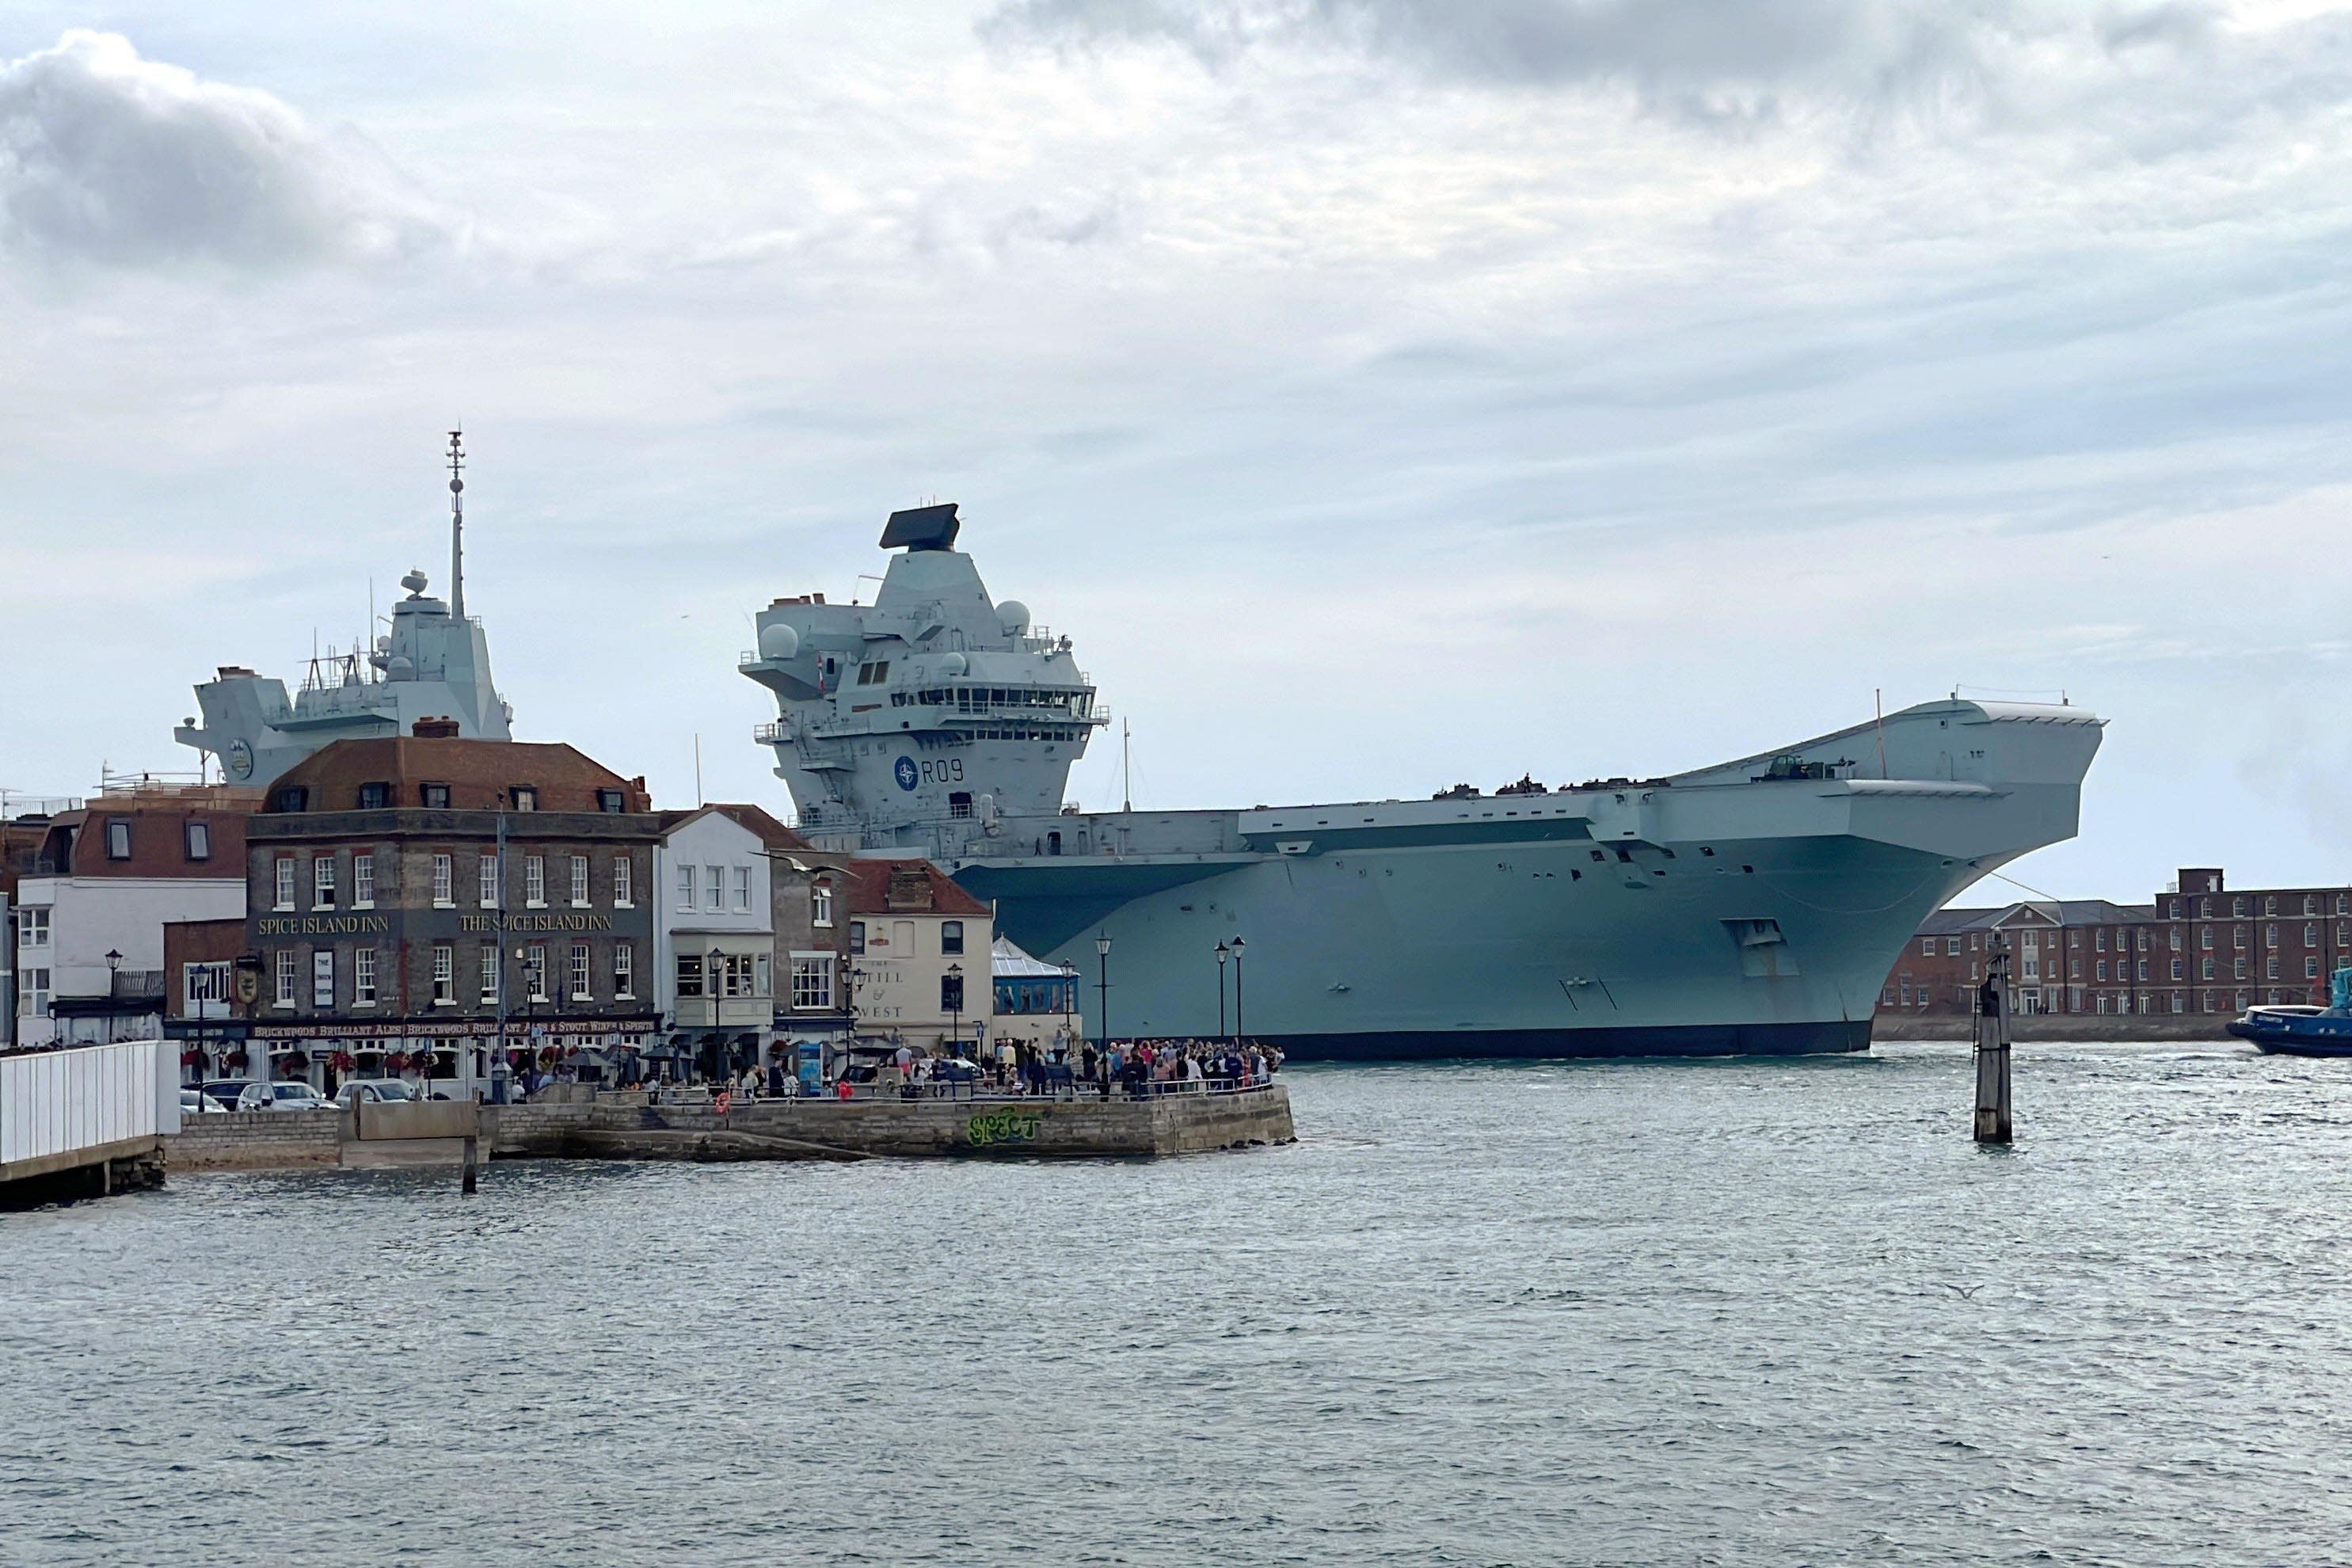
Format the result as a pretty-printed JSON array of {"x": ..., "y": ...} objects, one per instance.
[
  {"x": 919, "y": 956},
  {"x": 714, "y": 935},
  {"x": 90, "y": 910}
]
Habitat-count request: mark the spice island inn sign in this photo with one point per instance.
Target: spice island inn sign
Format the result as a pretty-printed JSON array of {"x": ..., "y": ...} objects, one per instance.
[
  {"x": 324, "y": 925},
  {"x": 377, "y": 925},
  {"x": 528, "y": 922}
]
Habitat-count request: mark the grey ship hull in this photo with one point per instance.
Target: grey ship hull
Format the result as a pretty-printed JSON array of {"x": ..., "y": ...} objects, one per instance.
[{"x": 1708, "y": 914}]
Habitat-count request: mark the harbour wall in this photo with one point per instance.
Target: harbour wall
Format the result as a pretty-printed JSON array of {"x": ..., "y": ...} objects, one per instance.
[
  {"x": 625, "y": 1127},
  {"x": 256, "y": 1140},
  {"x": 2057, "y": 1028}
]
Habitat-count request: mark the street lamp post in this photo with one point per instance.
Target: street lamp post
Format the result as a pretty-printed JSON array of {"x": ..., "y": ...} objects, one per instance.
[
  {"x": 1238, "y": 945},
  {"x": 718, "y": 1035},
  {"x": 113, "y": 989},
  {"x": 1102, "y": 985},
  {"x": 1223, "y": 953},
  {"x": 497, "y": 1064},
  {"x": 955, "y": 1000}
]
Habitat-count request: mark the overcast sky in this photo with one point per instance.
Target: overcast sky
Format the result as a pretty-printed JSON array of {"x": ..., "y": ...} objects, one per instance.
[{"x": 1382, "y": 393}]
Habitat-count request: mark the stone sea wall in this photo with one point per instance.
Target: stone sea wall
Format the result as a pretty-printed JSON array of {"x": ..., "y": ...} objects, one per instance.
[
  {"x": 2053, "y": 1028},
  {"x": 256, "y": 1140}
]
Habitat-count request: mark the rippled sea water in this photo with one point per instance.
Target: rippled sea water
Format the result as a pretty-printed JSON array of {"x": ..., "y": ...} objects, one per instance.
[{"x": 1729, "y": 1311}]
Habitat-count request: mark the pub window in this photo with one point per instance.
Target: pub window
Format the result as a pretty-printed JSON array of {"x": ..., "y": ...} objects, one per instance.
[
  {"x": 858, "y": 937},
  {"x": 624, "y": 892},
  {"x": 285, "y": 977},
  {"x": 821, "y": 904},
  {"x": 534, "y": 880},
  {"x": 950, "y": 993},
  {"x": 200, "y": 840},
  {"x": 689, "y": 975},
  {"x": 580, "y": 992},
  {"x": 435, "y": 795},
  {"x": 580, "y": 881},
  {"x": 444, "y": 975},
  {"x": 624, "y": 963},
  {"x": 363, "y": 976},
  {"x": 374, "y": 796},
  {"x": 322, "y": 882},
  {"x": 285, "y": 882}
]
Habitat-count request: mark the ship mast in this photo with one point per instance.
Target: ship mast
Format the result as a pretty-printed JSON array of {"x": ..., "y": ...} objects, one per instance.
[{"x": 456, "y": 528}]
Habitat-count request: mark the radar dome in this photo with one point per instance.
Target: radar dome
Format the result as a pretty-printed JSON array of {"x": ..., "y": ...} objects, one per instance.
[
  {"x": 400, "y": 668},
  {"x": 953, "y": 665},
  {"x": 779, "y": 642},
  {"x": 413, "y": 582},
  {"x": 1013, "y": 616}
]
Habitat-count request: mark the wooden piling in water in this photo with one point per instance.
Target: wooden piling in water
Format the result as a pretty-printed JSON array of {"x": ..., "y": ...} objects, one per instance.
[
  {"x": 1992, "y": 1118},
  {"x": 472, "y": 1147}
]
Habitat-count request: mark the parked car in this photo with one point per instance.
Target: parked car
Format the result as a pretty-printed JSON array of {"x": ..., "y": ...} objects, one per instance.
[
  {"x": 298, "y": 1096},
  {"x": 196, "y": 1102},
  {"x": 237, "y": 1094},
  {"x": 375, "y": 1090}
]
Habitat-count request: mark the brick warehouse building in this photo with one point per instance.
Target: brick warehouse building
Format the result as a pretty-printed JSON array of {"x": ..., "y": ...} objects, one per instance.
[
  {"x": 383, "y": 923},
  {"x": 2198, "y": 948}
]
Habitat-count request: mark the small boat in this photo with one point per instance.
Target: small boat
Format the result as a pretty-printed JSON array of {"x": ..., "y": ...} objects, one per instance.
[{"x": 2304, "y": 1031}]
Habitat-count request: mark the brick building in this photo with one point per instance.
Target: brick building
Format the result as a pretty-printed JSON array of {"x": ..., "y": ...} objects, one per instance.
[
  {"x": 387, "y": 925},
  {"x": 209, "y": 985},
  {"x": 2198, "y": 948},
  {"x": 96, "y": 881}
]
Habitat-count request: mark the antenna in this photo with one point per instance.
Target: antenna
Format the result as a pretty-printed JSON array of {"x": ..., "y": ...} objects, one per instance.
[
  {"x": 1126, "y": 770},
  {"x": 1878, "y": 706},
  {"x": 697, "y": 770},
  {"x": 457, "y": 526}
]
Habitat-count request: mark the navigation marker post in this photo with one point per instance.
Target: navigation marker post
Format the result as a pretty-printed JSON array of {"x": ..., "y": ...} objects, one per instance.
[{"x": 1992, "y": 1119}]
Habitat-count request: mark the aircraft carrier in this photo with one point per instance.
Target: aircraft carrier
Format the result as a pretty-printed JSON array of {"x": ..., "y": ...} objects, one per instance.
[{"x": 1752, "y": 906}]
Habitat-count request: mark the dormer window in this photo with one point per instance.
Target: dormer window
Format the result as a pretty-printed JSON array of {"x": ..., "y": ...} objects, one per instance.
[
  {"x": 200, "y": 840},
  {"x": 525, "y": 798},
  {"x": 374, "y": 796},
  {"x": 293, "y": 797},
  {"x": 609, "y": 801},
  {"x": 118, "y": 840},
  {"x": 435, "y": 795}
]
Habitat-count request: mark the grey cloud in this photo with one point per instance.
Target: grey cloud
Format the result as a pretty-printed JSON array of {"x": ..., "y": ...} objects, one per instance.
[
  {"x": 109, "y": 158},
  {"x": 1717, "y": 59}
]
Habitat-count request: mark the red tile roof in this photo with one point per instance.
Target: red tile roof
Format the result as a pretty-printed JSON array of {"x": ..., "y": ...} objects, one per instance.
[
  {"x": 908, "y": 887},
  {"x": 475, "y": 770}
]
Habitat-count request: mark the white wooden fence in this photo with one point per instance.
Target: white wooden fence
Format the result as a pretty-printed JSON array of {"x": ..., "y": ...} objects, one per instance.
[{"x": 56, "y": 1102}]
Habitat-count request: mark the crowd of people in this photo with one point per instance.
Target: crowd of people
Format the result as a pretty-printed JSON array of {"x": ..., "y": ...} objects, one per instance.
[{"x": 1064, "y": 1069}]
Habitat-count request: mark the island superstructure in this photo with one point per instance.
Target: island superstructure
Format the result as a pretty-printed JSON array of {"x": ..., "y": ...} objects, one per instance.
[
  {"x": 1751, "y": 906},
  {"x": 433, "y": 662}
]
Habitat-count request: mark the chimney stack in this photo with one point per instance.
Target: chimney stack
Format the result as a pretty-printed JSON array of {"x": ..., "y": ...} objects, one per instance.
[{"x": 434, "y": 729}]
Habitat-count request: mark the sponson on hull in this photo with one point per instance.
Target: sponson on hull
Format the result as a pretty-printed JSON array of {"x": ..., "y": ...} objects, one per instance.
[{"x": 1751, "y": 906}]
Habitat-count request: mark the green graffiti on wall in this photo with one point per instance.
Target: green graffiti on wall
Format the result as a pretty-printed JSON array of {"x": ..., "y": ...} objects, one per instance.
[{"x": 1006, "y": 1126}]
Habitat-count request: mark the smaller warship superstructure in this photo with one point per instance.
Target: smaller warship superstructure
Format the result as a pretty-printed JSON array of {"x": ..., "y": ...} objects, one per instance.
[{"x": 433, "y": 663}]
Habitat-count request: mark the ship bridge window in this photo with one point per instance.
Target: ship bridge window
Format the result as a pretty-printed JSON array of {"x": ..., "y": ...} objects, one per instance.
[
  {"x": 960, "y": 803},
  {"x": 875, "y": 673}
]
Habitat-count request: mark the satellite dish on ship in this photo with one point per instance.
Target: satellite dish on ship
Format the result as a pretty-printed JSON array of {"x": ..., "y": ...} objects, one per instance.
[{"x": 1013, "y": 616}]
